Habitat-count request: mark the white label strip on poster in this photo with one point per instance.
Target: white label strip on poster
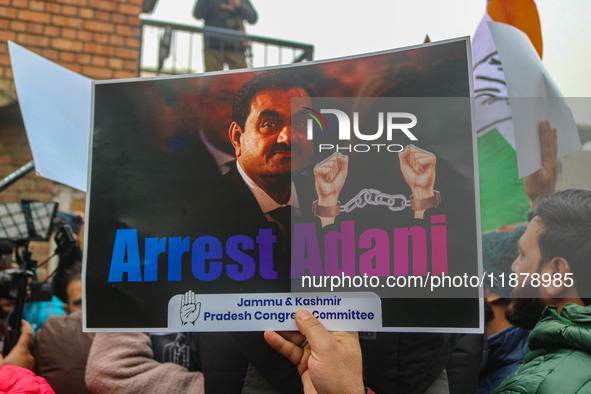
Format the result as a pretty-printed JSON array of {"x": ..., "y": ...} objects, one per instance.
[{"x": 222, "y": 312}]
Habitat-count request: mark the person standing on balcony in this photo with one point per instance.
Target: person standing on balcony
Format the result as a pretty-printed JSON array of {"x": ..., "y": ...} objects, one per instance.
[{"x": 225, "y": 14}]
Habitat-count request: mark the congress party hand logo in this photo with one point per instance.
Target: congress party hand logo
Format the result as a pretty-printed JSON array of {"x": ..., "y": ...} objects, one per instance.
[{"x": 190, "y": 308}]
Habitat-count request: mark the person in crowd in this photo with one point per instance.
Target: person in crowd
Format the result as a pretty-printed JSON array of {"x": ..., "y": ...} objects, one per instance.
[
  {"x": 74, "y": 291},
  {"x": 226, "y": 14},
  {"x": 506, "y": 344},
  {"x": 555, "y": 245},
  {"x": 16, "y": 374},
  {"x": 60, "y": 348},
  {"x": 16, "y": 368},
  {"x": 125, "y": 363},
  {"x": 6, "y": 299},
  {"x": 465, "y": 363},
  {"x": 20, "y": 354},
  {"x": 68, "y": 263},
  {"x": 17, "y": 380}
]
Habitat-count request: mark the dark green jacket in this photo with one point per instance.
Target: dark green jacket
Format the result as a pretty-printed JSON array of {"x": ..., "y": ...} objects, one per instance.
[{"x": 560, "y": 356}]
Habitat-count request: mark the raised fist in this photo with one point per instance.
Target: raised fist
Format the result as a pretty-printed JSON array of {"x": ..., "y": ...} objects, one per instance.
[{"x": 330, "y": 176}]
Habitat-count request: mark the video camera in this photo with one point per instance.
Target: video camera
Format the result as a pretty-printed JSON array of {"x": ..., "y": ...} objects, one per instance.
[{"x": 21, "y": 223}]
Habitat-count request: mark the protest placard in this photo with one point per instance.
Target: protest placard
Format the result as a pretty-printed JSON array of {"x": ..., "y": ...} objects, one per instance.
[{"x": 227, "y": 201}]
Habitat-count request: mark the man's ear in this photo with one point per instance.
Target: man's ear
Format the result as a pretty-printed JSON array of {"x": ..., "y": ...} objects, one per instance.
[
  {"x": 235, "y": 133},
  {"x": 558, "y": 265}
]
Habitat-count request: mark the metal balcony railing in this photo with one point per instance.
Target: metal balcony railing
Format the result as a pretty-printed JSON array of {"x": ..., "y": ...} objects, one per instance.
[{"x": 171, "y": 48}]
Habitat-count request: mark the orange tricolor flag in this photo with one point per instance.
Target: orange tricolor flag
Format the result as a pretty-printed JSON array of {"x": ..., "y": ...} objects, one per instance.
[{"x": 523, "y": 14}]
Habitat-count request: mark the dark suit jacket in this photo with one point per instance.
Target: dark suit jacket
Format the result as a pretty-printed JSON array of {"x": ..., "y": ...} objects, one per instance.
[{"x": 224, "y": 357}]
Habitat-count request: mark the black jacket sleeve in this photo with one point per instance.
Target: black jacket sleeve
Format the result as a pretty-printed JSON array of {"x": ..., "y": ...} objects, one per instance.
[
  {"x": 212, "y": 14},
  {"x": 247, "y": 12}
]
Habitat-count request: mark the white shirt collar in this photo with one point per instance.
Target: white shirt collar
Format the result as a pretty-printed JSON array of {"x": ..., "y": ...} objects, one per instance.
[
  {"x": 266, "y": 203},
  {"x": 222, "y": 159}
]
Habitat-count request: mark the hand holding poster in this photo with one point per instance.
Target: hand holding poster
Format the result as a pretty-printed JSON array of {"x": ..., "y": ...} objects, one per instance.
[{"x": 226, "y": 202}]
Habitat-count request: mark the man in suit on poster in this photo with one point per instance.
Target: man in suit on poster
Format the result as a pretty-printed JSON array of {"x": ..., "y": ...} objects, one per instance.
[
  {"x": 258, "y": 190},
  {"x": 270, "y": 148}
]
